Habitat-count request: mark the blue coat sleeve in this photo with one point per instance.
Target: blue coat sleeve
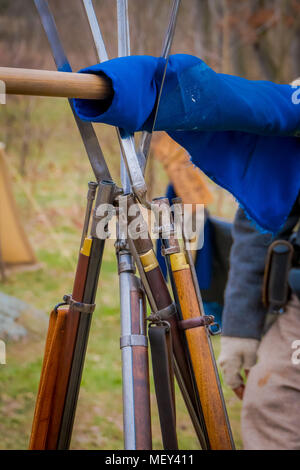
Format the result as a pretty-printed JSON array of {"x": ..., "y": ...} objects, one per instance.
[
  {"x": 194, "y": 97},
  {"x": 241, "y": 133}
]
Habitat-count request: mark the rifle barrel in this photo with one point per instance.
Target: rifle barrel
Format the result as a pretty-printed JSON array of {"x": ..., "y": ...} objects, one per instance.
[{"x": 52, "y": 83}]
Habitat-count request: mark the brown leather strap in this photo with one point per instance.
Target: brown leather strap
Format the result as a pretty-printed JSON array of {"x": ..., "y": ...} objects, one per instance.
[
  {"x": 277, "y": 268},
  {"x": 163, "y": 372},
  {"x": 196, "y": 322}
]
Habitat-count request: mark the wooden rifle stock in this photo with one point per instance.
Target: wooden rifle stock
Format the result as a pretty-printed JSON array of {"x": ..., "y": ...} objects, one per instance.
[
  {"x": 215, "y": 416},
  {"x": 141, "y": 375},
  {"x": 64, "y": 357},
  {"x": 67, "y": 352},
  {"x": 56, "y": 367},
  {"x": 204, "y": 370},
  {"x": 50, "y": 366}
]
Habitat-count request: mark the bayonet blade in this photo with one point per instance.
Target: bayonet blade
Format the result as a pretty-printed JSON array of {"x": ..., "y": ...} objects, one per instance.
[
  {"x": 86, "y": 129},
  {"x": 123, "y": 51},
  {"x": 96, "y": 31},
  {"x": 130, "y": 164},
  {"x": 146, "y": 138}
]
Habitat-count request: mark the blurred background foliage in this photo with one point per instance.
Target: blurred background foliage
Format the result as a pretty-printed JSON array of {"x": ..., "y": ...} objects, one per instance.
[{"x": 256, "y": 39}]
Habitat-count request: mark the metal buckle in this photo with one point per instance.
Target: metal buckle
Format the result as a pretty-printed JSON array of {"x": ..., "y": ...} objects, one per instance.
[
  {"x": 78, "y": 306},
  {"x": 216, "y": 332}
]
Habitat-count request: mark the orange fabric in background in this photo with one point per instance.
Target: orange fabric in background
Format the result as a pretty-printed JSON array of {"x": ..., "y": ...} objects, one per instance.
[
  {"x": 188, "y": 181},
  {"x": 15, "y": 247}
]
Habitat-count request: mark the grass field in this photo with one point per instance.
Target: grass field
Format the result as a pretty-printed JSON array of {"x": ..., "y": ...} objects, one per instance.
[{"x": 56, "y": 180}]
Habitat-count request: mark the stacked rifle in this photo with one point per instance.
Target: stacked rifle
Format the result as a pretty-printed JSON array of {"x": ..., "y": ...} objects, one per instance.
[{"x": 177, "y": 328}]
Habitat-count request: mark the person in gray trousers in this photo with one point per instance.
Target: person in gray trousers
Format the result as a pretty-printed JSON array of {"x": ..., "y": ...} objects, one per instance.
[{"x": 270, "y": 357}]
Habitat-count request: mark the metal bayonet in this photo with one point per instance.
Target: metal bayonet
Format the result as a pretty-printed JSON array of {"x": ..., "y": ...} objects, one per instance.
[
  {"x": 86, "y": 129},
  {"x": 146, "y": 138},
  {"x": 126, "y": 140}
]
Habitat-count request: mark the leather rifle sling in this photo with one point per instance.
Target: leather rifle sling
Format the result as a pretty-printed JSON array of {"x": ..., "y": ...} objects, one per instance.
[{"x": 163, "y": 374}]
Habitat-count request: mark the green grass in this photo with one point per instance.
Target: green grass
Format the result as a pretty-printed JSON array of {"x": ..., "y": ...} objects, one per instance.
[
  {"x": 99, "y": 418},
  {"x": 56, "y": 179}
]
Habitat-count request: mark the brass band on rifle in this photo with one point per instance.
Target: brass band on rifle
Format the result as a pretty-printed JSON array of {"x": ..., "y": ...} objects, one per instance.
[
  {"x": 149, "y": 261},
  {"x": 178, "y": 262},
  {"x": 86, "y": 247}
]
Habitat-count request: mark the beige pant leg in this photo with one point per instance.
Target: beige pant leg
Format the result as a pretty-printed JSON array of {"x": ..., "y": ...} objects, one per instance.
[{"x": 271, "y": 406}]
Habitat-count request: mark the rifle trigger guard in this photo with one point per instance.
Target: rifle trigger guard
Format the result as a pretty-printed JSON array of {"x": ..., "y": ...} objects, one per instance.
[{"x": 78, "y": 306}]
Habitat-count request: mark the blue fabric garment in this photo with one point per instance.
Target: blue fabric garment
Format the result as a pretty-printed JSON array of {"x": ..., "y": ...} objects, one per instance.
[
  {"x": 203, "y": 262},
  {"x": 215, "y": 309},
  {"x": 241, "y": 133}
]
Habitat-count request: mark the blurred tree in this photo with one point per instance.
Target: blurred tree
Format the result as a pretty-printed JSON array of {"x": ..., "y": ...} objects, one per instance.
[
  {"x": 253, "y": 38},
  {"x": 4, "y": 4},
  {"x": 256, "y": 39}
]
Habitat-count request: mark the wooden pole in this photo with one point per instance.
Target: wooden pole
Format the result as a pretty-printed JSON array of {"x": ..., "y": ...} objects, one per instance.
[{"x": 50, "y": 83}]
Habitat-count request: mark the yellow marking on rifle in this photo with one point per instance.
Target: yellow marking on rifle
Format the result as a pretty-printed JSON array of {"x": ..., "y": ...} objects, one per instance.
[
  {"x": 86, "y": 247},
  {"x": 179, "y": 262},
  {"x": 149, "y": 261}
]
